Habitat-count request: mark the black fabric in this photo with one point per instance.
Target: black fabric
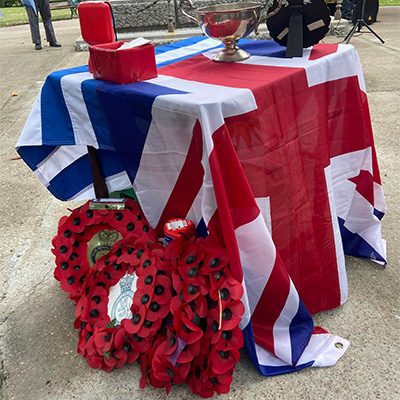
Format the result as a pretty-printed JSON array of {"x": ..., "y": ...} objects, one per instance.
[
  {"x": 370, "y": 12},
  {"x": 316, "y": 20}
]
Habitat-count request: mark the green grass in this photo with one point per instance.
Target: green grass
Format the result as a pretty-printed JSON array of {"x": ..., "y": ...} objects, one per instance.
[
  {"x": 389, "y": 3},
  {"x": 18, "y": 16}
]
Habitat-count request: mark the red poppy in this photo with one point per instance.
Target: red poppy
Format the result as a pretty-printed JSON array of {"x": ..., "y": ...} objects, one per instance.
[
  {"x": 177, "y": 283},
  {"x": 85, "y": 335},
  {"x": 157, "y": 311},
  {"x": 192, "y": 291},
  {"x": 95, "y": 361},
  {"x": 214, "y": 321},
  {"x": 146, "y": 260},
  {"x": 125, "y": 351},
  {"x": 231, "y": 315},
  {"x": 74, "y": 223},
  {"x": 96, "y": 312},
  {"x": 149, "y": 328},
  {"x": 90, "y": 217},
  {"x": 198, "y": 378},
  {"x": 216, "y": 258},
  {"x": 225, "y": 291},
  {"x": 173, "y": 252},
  {"x": 120, "y": 218},
  {"x": 183, "y": 372},
  {"x": 171, "y": 344},
  {"x": 104, "y": 338},
  {"x": 186, "y": 329},
  {"x": 191, "y": 259},
  {"x": 115, "y": 273},
  {"x": 134, "y": 324},
  {"x": 140, "y": 344},
  {"x": 62, "y": 244},
  {"x": 196, "y": 308},
  {"x": 110, "y": 361},
  {"x": 148, "y": 278},
  {"x": 138, "y": 227},
  {"x": 232, "y": 338},
  {"x": 62, "y": 221},
  {"x": 146, "y": 360},
  {"x": 217, "y": 278},
  {"x": 224, "y": 360},
  {"x": 189, "y": 352},
  {"x": 143, "y": 297},
  {"x": 162, "y": 289},
  {"x": 73, "y": 284},
  {"x": 165, "y": 371},
  {"x": 156, "y": 248},
  {"x": 221, "y": 382},
  {"x": 128, "y": 248}
]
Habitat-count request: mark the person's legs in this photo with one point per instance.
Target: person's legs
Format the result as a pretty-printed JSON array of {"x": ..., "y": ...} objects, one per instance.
[
  {"x": 347, "y": 8},
  {"x": 45, "y": 13},
  {"x": 34, "y": 26}
]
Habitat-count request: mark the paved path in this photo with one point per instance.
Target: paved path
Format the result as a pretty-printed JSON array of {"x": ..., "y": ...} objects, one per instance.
[{"x": 37, "y": 339}]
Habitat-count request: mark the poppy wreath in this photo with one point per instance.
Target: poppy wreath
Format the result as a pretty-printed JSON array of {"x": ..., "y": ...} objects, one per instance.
[
  {"x": 70, "y": 245},
  {"x": 104, "y": 343},
  {"x": 202, "y": 339}
]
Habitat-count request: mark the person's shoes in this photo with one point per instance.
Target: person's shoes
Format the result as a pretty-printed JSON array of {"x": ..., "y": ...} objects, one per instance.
[
  {"x": 38, "y": 46},
  {"x": 55, "y": 44}
]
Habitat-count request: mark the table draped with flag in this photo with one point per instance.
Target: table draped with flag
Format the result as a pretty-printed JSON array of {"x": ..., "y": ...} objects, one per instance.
[{"x": 272, "y": 156}]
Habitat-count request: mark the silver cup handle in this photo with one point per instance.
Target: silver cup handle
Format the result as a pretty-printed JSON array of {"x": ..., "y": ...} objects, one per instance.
[
  {"x": 263, "y": 19},
  {"x": 191, "y": 7}
]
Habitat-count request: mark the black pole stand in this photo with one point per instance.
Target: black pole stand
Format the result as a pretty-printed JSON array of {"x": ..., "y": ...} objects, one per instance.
[
  {"x": 99, "y": 182},
  {"x": 359, "y": 24},
  {"x": 294, "y": 47}
]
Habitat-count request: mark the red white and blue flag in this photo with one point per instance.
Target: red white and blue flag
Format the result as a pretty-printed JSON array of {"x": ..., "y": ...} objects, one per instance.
[{"x": 272, "y": 156}]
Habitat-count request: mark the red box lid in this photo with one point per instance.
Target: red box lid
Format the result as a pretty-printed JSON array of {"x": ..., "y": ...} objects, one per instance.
[{"x": 125, "y": 65}]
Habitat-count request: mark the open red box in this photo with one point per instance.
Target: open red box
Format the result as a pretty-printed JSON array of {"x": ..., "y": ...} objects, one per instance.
[{"x": 123, "y": 66}]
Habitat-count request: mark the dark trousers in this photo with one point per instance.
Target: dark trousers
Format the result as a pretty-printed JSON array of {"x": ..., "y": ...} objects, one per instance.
[
  {"x": 347, "y": 8},
  {"x": 42, "y": 7}
]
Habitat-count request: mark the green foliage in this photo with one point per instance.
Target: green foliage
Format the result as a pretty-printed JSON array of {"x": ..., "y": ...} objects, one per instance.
[
  {"x": 18, "y": 16},
  {"x": 112, "y": 323},
  {"x": 107, "y": 354},
  {"x": 9, "y": 3}
]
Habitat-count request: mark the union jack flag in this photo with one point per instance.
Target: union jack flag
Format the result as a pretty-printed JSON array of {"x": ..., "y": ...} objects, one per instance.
[{"x": 273, "y": 156}]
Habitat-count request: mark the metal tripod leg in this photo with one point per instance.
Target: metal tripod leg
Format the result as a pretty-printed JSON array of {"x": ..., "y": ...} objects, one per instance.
[
  {"x": 359, "y": 24},
  {"x": 367, "y": 26},
  {"x": 351, "y": 33}
]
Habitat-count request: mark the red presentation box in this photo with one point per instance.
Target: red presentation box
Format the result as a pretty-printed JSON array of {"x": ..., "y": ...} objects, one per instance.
[{"x": 123, "y": 66}]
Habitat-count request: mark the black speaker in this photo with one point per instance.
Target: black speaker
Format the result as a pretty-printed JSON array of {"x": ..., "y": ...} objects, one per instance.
[
  {"x": 315, "y": 22},
  {"x": 370, "y": 13}
]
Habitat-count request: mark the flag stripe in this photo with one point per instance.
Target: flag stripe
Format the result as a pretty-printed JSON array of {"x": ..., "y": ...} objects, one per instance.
[
  {"x": 185, "y": 49},
  {"x": 55, "y": 113},
  {"x": 81, "y": 125},
  {"x": 188, "y": 183},
  {"x": 89, "y": 94}
]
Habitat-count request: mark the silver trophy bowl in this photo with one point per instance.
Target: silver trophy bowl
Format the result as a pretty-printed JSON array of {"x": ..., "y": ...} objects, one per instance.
[{"x": 228, "y": 23}]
